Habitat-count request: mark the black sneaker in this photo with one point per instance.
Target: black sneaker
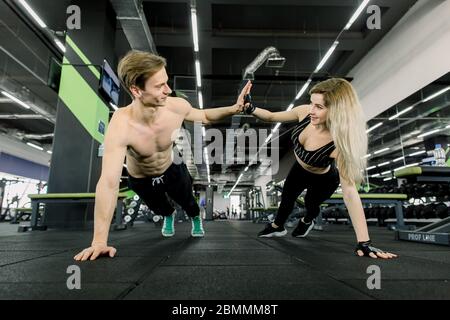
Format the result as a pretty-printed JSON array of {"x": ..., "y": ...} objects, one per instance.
[
  {"x": 270, "y": 231},
  {"x": 302, "y": 229}
]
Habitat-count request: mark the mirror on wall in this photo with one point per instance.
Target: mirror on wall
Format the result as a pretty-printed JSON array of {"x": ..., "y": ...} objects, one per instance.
[{"x": 404, "y": 135}]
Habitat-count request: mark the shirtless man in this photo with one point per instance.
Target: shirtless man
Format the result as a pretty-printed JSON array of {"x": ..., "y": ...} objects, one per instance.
[{"x": 142, "y": 133}]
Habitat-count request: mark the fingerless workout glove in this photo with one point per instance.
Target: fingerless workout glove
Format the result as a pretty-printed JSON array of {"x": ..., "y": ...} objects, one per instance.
[
  {"x": 250, "y": 108},
  {"x": 366, "y": 247}
]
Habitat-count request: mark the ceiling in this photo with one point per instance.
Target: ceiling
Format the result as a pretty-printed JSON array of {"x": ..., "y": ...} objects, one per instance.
[{"x": 231, "y": 34}]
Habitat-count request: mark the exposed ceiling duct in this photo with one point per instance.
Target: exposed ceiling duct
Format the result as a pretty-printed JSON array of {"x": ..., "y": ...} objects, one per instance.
[
  {"x": 13, "y": 142},
  {"x": 39, "y": 136},
  {"x": 273, "y": 59},
  {"x": 35, "y": 104},
  {"x": 21, "y": 92},
  {"x": 23, "y": 136},
  {"x": 14, "y": 146},
  {"x": 134, "y": 24},
  {"x": 269, "y": 54},
  {"x": 21, "y": 116},
  {"x": 23, "y": 65}
]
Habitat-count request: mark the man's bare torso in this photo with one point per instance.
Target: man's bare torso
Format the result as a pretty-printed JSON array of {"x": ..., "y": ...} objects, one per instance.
[{"x": 149, "y": 148}]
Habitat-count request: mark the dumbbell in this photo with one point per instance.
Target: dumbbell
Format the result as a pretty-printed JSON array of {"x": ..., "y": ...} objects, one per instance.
[
  {"x": 367, "y": 212},
  {"x": 418, "y": 211},
  {"x": 428, "y": 211},
  {"x": 409, "y": 212},
  {"x": 391, "y": 213},
  {"x": 442, "y": 211}
]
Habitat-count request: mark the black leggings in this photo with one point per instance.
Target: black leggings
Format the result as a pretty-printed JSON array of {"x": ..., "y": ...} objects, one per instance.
[
  {"x": 320, "y": 188},
  {"x": 175, "y": 182}
]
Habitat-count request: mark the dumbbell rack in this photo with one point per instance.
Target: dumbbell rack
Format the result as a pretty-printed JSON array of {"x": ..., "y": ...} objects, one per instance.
[{"x": 433, "y": 233}]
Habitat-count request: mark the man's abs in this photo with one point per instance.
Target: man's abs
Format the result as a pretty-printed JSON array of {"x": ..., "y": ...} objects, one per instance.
[
  {"x": 149, "y": 151},
  {"x": 154, "y": 165}
]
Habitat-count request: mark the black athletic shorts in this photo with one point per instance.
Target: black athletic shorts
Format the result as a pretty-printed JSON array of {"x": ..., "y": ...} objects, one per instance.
[{"x": 175, "y": 183}]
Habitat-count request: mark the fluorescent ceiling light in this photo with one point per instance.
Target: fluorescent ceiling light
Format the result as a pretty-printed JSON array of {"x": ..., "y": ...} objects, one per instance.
[
  {"x": 35, "y": 146},
  {"x": 417, "y": 153},
  {"x": 428, "y": 133},
  {"x": 407, "y": 166},
  {"x": 356, "y": 14},
  {"x": 198, "y": 74},
  {"x": 60, "y": 45},
  {"x": 200, "y": 100},
  {"x": 398, "y": 159},
  {"x": 302, "y": 90},
  {"x": 205, "y": 152},
  {"x": 400, "y": 113},
  {"x": 23, "y": 104},
  {"x": 380, "y": 151},
  {"x": 374, "y": 127},
  {"x": 33, "y": 14},
  {"x": 434, "y": 95},
  {"x": 113, "y": 106},
  {"x": 194, "y": 28},
  {"x": 276, "y": 127},
  {"x": 327, "y": 55}
]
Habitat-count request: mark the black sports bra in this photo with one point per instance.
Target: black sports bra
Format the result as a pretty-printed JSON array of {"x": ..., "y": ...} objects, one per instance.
[{"x": 319, "y": 158}]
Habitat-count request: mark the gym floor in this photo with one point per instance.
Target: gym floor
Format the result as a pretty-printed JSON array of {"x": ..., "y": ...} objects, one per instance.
[{"x": 229, "y": 263}]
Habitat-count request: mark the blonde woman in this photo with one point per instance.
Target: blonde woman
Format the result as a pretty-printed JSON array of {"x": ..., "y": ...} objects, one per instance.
[{"x": 330, "y": 142}]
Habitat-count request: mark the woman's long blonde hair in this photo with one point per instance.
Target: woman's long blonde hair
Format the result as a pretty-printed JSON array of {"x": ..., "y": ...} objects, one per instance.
[{"x": 347, "y": 126}]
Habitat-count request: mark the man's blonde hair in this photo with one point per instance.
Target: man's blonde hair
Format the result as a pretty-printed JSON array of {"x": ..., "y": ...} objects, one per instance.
[{"x": 137, "y": 66}]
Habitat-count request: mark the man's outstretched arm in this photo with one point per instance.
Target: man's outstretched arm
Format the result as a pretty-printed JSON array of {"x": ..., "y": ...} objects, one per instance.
[
  {"x": 206, "y": 116},
  {"x": 106, "y": 192}
]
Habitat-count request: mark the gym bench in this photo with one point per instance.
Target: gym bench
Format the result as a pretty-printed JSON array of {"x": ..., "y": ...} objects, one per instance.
[
  {"x": 367, "y": 198},
  {"x": 37, "y": 199},
  {"x": 377, "y": 198},
  {"x": 258, "y": 214}
]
